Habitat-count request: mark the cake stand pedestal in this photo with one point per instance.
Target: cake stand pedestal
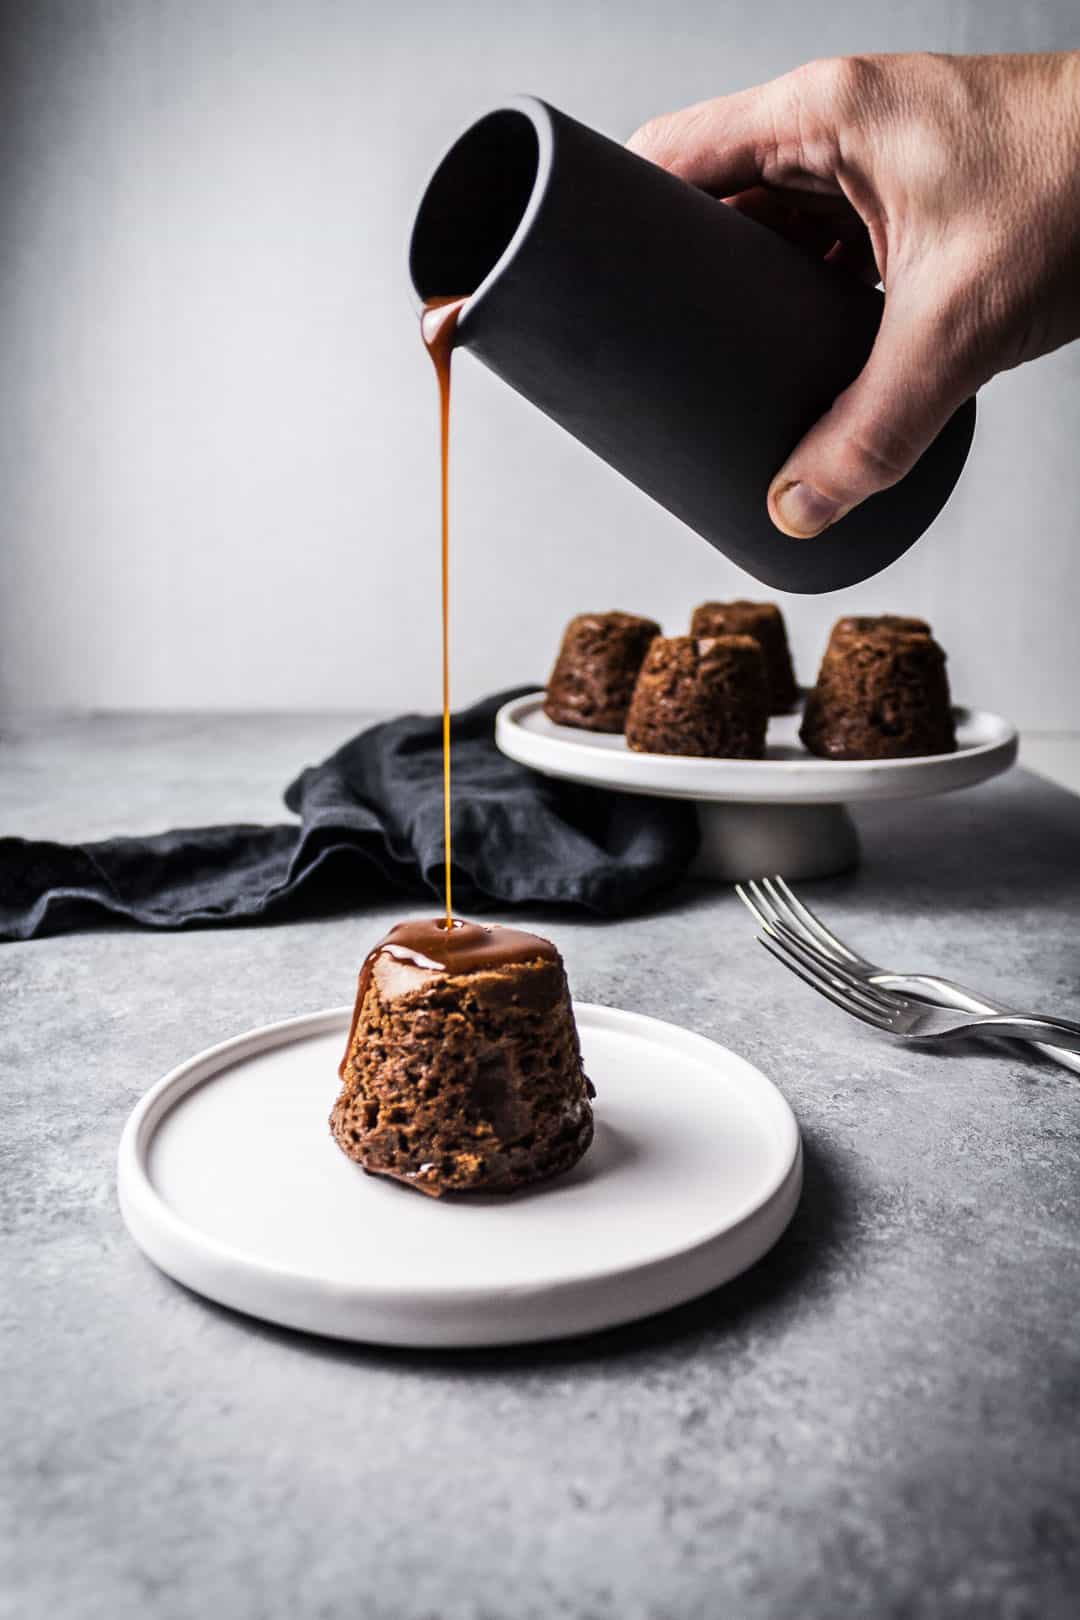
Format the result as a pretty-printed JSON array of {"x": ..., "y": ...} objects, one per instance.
[
  {"x": 785, "y": 813},
  {"x": 750, "y": 840}
]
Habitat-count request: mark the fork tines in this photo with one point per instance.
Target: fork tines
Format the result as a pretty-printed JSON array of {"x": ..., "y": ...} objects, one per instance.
[{"x": 794, "y": 936}]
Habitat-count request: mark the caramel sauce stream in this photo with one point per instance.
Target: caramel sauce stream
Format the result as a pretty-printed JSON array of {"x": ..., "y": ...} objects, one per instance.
[{"x": 438, "y": 325}]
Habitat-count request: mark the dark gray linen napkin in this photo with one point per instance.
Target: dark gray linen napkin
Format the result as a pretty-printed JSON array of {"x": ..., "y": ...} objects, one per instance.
[{"x": 370, "y": 825}]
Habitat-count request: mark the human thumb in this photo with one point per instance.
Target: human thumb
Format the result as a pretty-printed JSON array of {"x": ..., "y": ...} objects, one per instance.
[{"x": 876, "y": 430}]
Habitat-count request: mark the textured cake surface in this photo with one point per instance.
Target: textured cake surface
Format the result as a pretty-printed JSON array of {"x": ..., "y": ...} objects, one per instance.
[
  {"x": 882, "y": 693},
  {"x": 701, "y": 695},
  {"x": 765, "y": 622},
  {"x": 863, "y": 624},
  {"x": 463, "y": 1070},
  {"x": 598, "y": 663}
]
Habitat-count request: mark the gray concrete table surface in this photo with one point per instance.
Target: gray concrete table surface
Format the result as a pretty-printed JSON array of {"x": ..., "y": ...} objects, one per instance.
[{"x": 880, "y": 1419}]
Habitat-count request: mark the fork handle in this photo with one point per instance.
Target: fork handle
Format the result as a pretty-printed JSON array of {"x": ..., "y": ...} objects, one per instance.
[
  {"x": 945, "y": 993},
  {"x": 1023, "y": 1027}
]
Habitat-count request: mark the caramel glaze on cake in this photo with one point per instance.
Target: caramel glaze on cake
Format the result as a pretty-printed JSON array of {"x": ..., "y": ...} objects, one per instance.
[
  {"x": 598, "y": 663},
  {"x": 882, "y": 693},
  {"x": 463, "y": 1071},
  {"x": 765, "y": 622},
  {"x": 701, "y": 695}
]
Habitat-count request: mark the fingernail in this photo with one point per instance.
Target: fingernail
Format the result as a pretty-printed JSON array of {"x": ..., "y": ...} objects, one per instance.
[{"x": 802, "y": 511}]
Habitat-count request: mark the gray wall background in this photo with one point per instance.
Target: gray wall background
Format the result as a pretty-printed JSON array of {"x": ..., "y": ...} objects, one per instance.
[{"x": 216, "y": 424}]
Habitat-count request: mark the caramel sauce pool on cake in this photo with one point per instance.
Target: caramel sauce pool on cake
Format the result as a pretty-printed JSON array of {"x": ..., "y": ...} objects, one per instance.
[{"x": 463, "y": 947}]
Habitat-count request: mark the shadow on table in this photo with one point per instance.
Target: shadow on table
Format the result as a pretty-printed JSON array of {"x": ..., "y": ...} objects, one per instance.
[
  {"x": 801, "y": 1263},
  {"x": 1012, "y": 845}
]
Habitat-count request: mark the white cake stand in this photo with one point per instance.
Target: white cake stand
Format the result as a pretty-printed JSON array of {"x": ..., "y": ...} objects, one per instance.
[{"x": 784, "y": 813}]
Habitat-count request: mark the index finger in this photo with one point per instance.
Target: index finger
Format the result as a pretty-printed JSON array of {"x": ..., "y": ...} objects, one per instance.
[
  {"x": 723, "y": 146},
  {"x": 782, "y": 133}
]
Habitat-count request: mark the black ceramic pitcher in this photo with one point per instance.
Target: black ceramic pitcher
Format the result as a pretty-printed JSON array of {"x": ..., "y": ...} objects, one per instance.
[{"x": 688, "y": 346}]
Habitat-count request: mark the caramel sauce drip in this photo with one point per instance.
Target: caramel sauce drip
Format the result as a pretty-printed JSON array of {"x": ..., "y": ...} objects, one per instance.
[
  {"x": 438, "y": 326},
  {"x": 457, "y": 947},
  {"x": 447, "y": 945}
]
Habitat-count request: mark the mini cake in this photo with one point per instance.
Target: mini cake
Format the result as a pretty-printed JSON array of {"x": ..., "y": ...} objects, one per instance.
[
  {"x": 765, "y": 622},
  {"x": 598, "y": 663},
  {"x": 463, "y": 1071},
  {"x": 882, "y": 693},
  {"x": 701, "y": 695}
]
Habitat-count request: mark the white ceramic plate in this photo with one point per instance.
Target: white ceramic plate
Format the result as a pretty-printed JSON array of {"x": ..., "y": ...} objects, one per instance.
[
  {"x": 986, "y": 745},
  {"x": 230, "y": 1181}
]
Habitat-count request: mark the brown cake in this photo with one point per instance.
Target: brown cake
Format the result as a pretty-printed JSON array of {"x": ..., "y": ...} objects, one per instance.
[
  {"x": 701, "y": 695},
  {"x": 462, "y": 1071},
  {"x": 882, "y": 693},
  {"x": 598, "y": 663},
  {"x": 765, "y": 622}
]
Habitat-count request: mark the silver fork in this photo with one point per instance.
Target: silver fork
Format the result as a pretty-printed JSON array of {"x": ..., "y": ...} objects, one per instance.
[{"x": 798, "y": 938}]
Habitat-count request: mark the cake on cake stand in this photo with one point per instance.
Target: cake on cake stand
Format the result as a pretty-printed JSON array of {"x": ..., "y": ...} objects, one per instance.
[{"x": 784, "y": 813}]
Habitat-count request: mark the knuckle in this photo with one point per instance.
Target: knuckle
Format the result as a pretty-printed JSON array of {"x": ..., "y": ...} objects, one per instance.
[
  {"x": 848, "y": 89},
  {"x": 877, "y": 458},
  {"x": 830, "y": 82},
  {"x": 819, "y": 100}
]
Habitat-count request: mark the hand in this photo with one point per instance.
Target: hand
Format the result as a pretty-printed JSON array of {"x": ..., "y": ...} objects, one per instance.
[{"x": 955, "y": 181}]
